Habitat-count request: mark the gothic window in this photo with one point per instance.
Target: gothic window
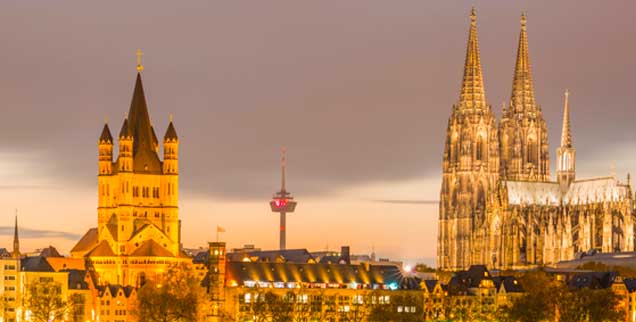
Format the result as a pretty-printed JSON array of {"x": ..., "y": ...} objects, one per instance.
[
  {"x": 504, "y": 147},
  {"x": 480, "y": 149},
  {"x": 532, "y": 152},
  {"x": 454, "y": 148}
]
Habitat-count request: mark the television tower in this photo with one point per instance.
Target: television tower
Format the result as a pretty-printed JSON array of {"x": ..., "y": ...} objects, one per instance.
[{"x": 282, "y": 203}]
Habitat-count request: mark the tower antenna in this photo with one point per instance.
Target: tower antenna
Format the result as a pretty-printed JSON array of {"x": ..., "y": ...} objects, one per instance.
[{"x": 283, "y": 203}]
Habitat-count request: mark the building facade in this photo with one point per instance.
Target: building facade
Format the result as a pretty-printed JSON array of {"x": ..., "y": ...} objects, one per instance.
[
  {"x": 309, "y": 291},
  {"x": 138, "y": 233},
  {"x": 498, "y": 204}
]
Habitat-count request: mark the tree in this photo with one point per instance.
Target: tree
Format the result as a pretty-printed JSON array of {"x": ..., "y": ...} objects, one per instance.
[
  {"x": 548, "y": 300},
  {"x": 401, "y": 308},
  {"x": 177, "y": 298},
  {"x": 44, "y": 302},
  {"x": 591, "y": 305},
  {"x": 539, "y": 302}
]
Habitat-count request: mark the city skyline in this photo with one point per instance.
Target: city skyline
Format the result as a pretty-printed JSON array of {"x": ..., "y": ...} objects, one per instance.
[{"x": 364, "y": 150}]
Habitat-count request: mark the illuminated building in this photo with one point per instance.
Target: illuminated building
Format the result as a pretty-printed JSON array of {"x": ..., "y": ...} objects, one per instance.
[
  {"x": 498, "y": 204},
  {"x": 283, "y": 203},
  {"x": 309, "y": 291},
  {"x": 138, "y": 232}
]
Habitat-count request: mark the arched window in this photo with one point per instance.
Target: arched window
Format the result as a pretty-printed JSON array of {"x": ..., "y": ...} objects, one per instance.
[
  {"x": 532, "y": 154},
  {"x": 480, "y": 153},
  {"x": 454, "y": 145},
  {"x": 504, "y": 147}
]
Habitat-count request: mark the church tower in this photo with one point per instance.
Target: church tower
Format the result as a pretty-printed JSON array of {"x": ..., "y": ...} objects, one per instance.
[
  {"x": 470, "y": 166},
  {"x": 16, "y": 240},
  {"x": 566, "y": 154},
  {"x": 138, "y": 200},
  {"x": 522, "y": 130}
]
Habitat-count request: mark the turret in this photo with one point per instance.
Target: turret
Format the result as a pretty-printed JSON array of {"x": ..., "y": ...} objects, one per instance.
[
  {"x": 171, "y": 150},
  {"x": 105, "y": 146},
  {"x": 566, "y": 162},
  {"x": 171, "y": 165},
  {"x": 125, "y": 160}
]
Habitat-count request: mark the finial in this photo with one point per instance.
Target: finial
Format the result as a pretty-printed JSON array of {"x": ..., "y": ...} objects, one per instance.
[
  {"x": 567, "y": 93},
  {"x": 523, "y": 20},
  {"x": 140, "y": 67},
  {"x": 503, "y": 105},
  {"x": 171, "y": 117},
  {"x": 629, "y": 179},
  {"x": 473, "y": 15},
  {"x": 106, "y": 119},
  {"x": 125, "y": 115}
]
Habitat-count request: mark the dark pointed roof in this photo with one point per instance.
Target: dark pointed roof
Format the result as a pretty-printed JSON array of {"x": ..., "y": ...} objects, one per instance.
[
  {"x": 106, "y": 137},
  {"x": 125, "y": 129},
  {"x": 171, "y": 133},
  {"x": 145, "y": 159},
  {"x": 155, "y": 141},
  {"x": 36, "y": 264}
]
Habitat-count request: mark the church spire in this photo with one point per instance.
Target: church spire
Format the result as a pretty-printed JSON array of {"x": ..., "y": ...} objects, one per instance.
[
  {"x": 522, "y": 86},
  {"x": 566, "y": 134},
  {"x": 140, "y": 127},
  {"x": 16, "y": 240},
  {"x": 472, "y": 92}
]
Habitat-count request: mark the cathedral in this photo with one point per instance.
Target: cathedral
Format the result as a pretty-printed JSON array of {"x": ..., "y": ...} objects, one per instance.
[
  {"x": 138, "y": 232},
  {"x": 499, "y": 205}
]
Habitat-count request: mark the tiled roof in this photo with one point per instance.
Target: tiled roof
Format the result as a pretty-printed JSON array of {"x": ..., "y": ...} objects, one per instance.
[
  {"x": 36, "y": 264},
  {"x": 240, "y": 272},
  {"x": 299, "y": 256},
  {"x": 510, "y": 284},
  {"x": 66, "y": 263},
  {"x": 87, "y": 242},
  {"x": 77, "y": 279},
  {"x": 103, "y": 249},
  {"x": 151, "y": 248},
  {"x": 50, "y": 252},
  {"x": 594, "y": 280}
]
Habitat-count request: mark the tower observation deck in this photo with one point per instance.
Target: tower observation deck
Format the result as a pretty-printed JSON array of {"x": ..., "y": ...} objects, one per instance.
[{"x": 283, "y": 202}]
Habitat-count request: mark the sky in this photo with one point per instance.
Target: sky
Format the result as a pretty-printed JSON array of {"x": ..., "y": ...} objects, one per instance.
[{"x": 359, "y": 92}]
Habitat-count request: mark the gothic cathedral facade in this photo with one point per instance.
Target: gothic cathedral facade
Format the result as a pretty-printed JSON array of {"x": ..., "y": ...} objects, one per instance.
[{"x": 498, "y": 204}]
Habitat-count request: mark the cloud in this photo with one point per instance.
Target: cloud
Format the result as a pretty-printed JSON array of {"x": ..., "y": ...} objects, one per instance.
[
  {"x": 38, "y": 233},
  {"x": 407, "y": 202},
  {"x": 23, "y": 187}
]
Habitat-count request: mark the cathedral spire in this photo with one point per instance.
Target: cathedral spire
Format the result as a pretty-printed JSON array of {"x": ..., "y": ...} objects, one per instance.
[
  {"x": 472, "y": 92},
  {"x": 16, "y": 240},
  {"x": 522, "y": 87},
  {"x": 566, "y": 134}
]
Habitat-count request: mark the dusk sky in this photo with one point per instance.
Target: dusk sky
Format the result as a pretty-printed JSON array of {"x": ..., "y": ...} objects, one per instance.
[{"x": 359, "y": 92}]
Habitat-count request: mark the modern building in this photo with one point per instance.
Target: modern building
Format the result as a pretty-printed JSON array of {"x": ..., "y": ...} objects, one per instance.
[{"x": 499, "y": 206}]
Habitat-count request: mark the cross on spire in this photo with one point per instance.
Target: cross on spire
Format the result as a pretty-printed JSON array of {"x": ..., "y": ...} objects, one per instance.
[{"x": 140, "y": 67}]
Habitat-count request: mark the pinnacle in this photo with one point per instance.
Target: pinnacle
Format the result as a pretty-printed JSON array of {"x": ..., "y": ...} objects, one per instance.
[
  {"x": 472, "y": 91},
  {"x": 523, "y": 97}
]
